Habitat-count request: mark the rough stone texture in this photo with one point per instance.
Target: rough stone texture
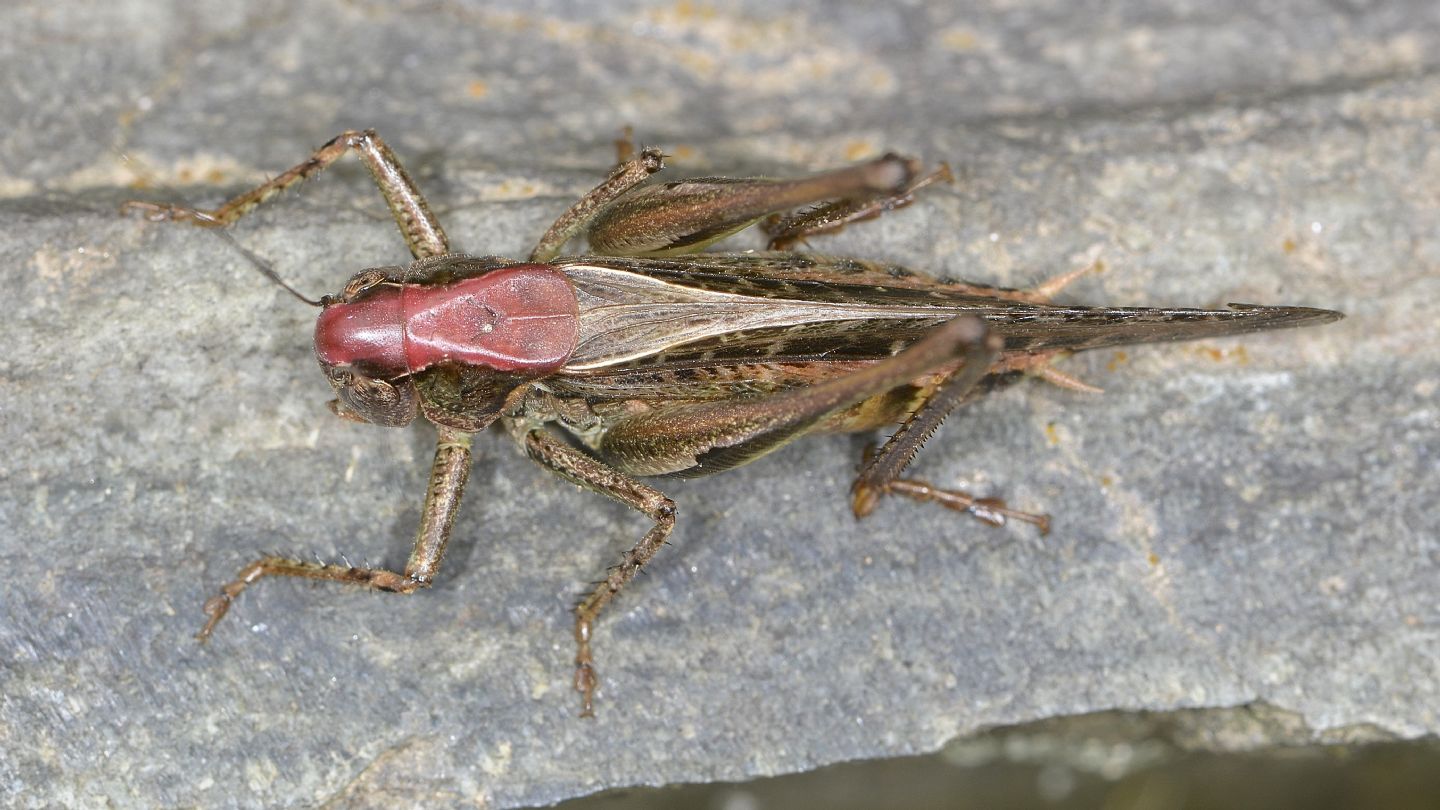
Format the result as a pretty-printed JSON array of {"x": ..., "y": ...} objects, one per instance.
[{"x": 1235, "y": 521}]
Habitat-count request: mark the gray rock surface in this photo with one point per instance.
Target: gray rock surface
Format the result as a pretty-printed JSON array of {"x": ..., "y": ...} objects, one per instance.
[{"x": 1235, "y": 521}]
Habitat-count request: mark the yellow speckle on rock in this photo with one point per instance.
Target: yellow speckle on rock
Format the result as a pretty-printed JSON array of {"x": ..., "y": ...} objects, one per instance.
[
  {"x": 686, "y": 10},
  {"x": 1237, "y": 354},
  {"x": 698, "y": 62},
  {"x": 1052, "y": 434},
  {"x": 959, "y": 39},
  {"x": 63, "y": 268},
  {"x": 260, "y": 774},
  {"x": 498, "y": 763},
  {"x": 477, "y": 89},
  {"x": 858, "y": 150}
]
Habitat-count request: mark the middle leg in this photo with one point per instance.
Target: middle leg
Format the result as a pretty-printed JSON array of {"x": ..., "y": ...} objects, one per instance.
[
  {"x": 687, "y": 215},
  {"x": 442, "y": 501},
  {"x": 596, "y": 476}
]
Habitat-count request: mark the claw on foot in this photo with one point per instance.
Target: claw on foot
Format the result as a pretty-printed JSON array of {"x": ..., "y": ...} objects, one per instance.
[
  {"x": 585, "y": 683},
  {"x": 585, "y": 678},
  {"x": 215, "y": 608},
  {"x": 217, "y": 605},
  {"x": 165, "y": 212},
  {"x": 863, "y": 499}
]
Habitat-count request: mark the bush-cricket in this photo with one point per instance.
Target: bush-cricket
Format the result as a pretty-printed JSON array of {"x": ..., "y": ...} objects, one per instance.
[{"x": 647, "y": 357}]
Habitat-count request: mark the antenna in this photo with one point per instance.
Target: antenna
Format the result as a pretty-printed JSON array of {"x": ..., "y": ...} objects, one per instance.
[{"x": 210, "y": 223}]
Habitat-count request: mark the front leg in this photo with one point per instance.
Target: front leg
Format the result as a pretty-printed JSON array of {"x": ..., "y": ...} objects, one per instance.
[
  {"x": 598, "y": 477},
  {"x": 442, "y": 502},
  {"x": 422, "y": 231}
]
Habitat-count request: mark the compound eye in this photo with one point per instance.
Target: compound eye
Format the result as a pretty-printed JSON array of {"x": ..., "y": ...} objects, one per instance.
[{"x": 370, "y": 399}]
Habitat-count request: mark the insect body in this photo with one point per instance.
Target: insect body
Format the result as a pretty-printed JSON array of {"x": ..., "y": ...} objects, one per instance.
[{"x": 657, "y": 360}]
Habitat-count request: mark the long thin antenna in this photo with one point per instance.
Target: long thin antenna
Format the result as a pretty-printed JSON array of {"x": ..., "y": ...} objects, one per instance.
[
  {"x": 211, "y": 224},
  {"x": 263, "y": 265}
]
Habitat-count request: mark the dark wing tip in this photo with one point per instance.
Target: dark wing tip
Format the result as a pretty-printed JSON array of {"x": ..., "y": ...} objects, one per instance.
[{"x": 1273, "y": 317}]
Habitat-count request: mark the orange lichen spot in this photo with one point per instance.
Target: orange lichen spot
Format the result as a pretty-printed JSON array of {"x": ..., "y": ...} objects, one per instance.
[
  {"x": 878, "y": 80},
  {"x": 698, "y": 62},
  {"x": 858, "y": 150},
  {"x": 686, "y": 10},
  {"x": 1051, "y": 433},
  {"x": 1117, "y": 360},
  {"x": 477, "y": 89},
  {"x": 1289, "y": 245},
  {"x": 516, "y": 190},
  {"x": 1237, "y": 354},
  {"x": 185, "y": 174},
  {"x": 960, "y": 39},
  {"x": 1098, "y": 266},
  {"x": 1106, "y": 481},
  {"x": 1154, "y": 559},
  {"x": 215, "y": 177}
]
